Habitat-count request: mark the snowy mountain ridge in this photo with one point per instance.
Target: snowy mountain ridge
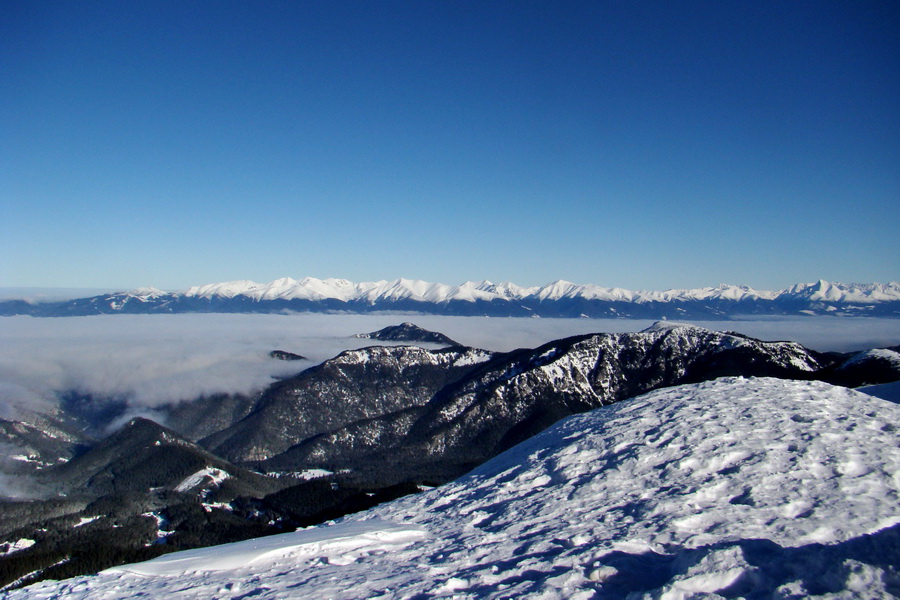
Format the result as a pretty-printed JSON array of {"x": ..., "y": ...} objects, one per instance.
[
  {"x": 736, "y": 487},
  {"x": 310, "y": 288},
  {"x": 556, "y": 299},
  {"x": 437, "y": 423}
]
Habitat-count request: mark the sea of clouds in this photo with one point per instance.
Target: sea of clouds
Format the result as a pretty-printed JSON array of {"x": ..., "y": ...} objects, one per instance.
[{"x": 149, "y": 360}]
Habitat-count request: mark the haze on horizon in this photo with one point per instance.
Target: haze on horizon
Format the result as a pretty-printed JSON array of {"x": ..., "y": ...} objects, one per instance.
[{"x": 645, "y": 146}]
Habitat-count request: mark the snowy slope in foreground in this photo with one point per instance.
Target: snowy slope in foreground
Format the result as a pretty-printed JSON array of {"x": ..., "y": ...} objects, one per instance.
[{"x": 738, "y": 486}]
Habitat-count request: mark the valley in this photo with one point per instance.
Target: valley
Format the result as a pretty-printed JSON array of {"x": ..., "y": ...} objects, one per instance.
[{"x": 368, "y": 425}]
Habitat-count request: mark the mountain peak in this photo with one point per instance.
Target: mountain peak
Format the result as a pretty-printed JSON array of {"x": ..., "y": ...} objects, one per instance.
[
  {"x": 408, "y": 332},
  {"x": 670, "y": 325},
  {"x": 148, "y": 292}
]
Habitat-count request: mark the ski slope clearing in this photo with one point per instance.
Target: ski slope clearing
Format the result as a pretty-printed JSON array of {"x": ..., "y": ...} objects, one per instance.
[{"x": 731, "y": 488}]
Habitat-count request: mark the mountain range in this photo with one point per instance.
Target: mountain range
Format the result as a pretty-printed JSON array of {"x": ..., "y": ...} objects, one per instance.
[
  {"x": 368, "y": 425},
  {"x": 557, "y": 299}
]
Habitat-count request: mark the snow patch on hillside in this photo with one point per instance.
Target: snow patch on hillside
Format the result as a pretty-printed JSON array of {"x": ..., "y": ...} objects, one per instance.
[
  {"x": 8, "y": 548},
  {"x": 473, "y": 357},
  {"x": 210, "y": 475},
  {"x": 84, "y": 521}
]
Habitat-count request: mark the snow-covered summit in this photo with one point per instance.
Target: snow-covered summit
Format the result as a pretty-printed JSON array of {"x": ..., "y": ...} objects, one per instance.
[
  {"x": 147, "y": 292},
  {"x": 669, "y": 326},
  {"x": 826, "y": 291},
  {"x": 738, "y": 486},
  {"x": 308, "y": 288}
]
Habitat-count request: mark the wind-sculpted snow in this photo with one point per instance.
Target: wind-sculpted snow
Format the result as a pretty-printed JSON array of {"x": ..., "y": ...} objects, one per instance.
[
  {"x": 737, "y": 487},
  {"x": 346, "y": 541}
]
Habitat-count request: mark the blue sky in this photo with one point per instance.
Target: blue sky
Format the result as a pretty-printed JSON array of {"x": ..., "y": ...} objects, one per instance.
[{"x": 646, "y": 145}]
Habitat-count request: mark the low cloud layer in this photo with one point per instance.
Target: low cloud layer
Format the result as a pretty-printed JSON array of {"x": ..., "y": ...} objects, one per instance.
[
  {"x": 150, "y": 360},
  {"x": 14, "y": 483}
]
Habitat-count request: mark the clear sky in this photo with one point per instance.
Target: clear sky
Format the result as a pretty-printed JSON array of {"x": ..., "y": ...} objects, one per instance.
[{"x": 645, "y": 145}]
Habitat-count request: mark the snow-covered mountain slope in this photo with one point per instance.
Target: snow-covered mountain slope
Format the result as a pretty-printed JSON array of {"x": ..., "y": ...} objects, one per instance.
[
  {"x": 28, "y": 447},
  {"x": 506, "y": 399},
  {"x": 737, "y": 487},
  {"x": 356, "y": 385},
  {"x": 144, "y": 455},
  {"x": 556, "y": 299},
  {"x": 886, "y": 355},
  {"x": 870, "y": 367}
]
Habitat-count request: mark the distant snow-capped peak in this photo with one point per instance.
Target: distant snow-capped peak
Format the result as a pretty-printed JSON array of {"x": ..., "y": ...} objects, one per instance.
[
  {"x": 559, "y": 299},
  {"x": 827, "y": 291},
  {"x": 147, "y": 292},
  {"x": 311, "y": 288}
]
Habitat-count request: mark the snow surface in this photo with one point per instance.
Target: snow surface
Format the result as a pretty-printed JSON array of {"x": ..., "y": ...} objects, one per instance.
[
  {"x": 730, "y": 487},
  {"x": 342, "y": 543}
]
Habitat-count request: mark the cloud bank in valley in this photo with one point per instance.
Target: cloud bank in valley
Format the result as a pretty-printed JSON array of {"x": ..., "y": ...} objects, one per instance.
[{"x": 151, "y": 360}]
